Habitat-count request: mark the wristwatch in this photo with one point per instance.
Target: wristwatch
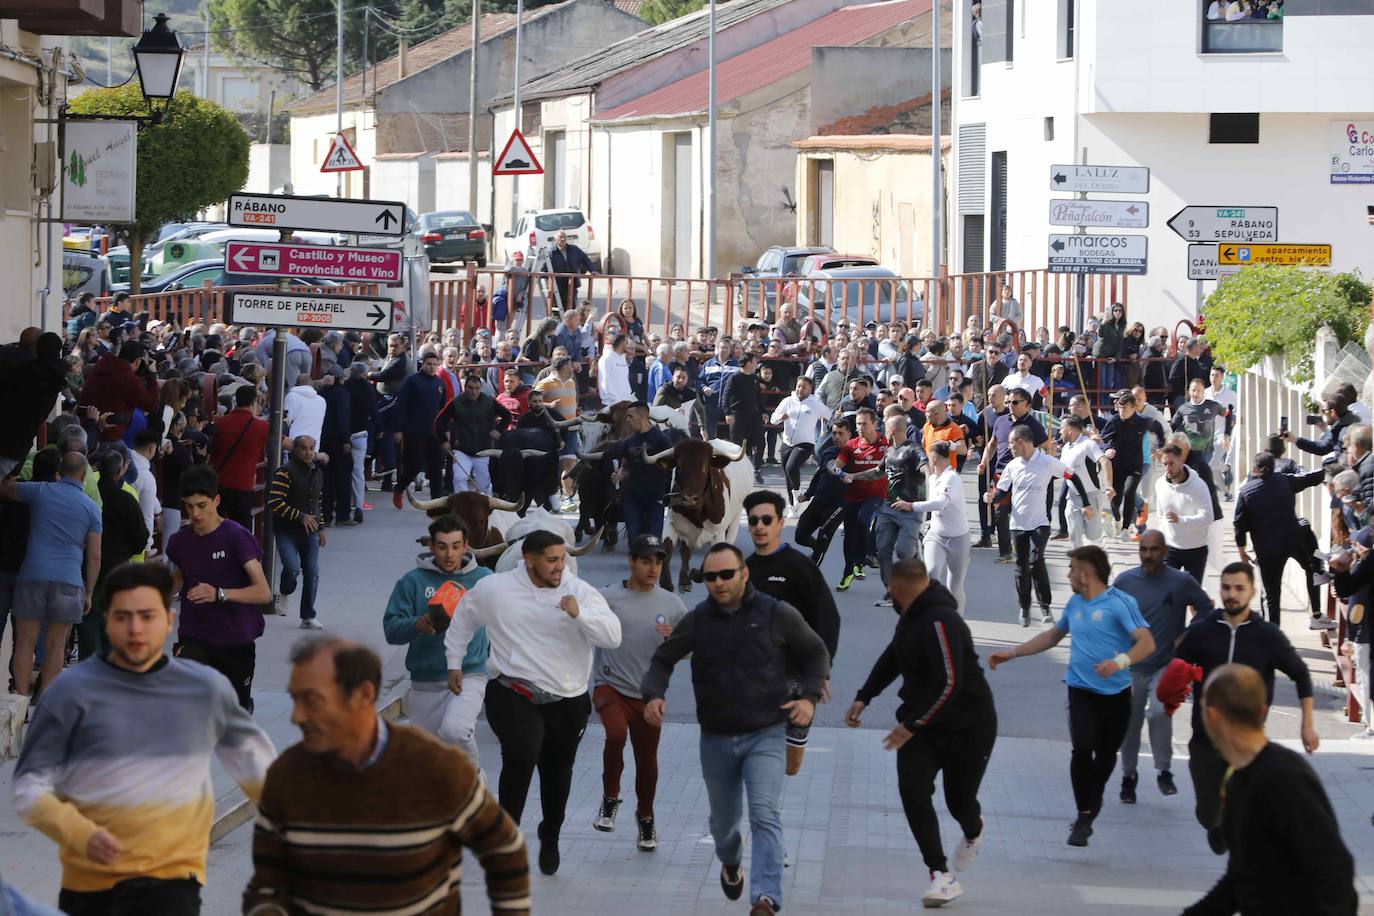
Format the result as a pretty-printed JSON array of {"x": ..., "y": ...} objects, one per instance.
[{"x": 220, "y": 596}]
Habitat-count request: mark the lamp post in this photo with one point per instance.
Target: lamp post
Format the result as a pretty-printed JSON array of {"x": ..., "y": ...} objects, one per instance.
[{"x": 158, "y": 57}]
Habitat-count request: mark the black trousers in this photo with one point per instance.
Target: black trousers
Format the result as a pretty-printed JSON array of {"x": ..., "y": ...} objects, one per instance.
[
  {"x": 985, "y": 526},
  {"x": 234, "y": 662},
  {"x": 135, "y": 897},
  {"x": 237, "y": 506},
  {"x": 963, "y": 757},
  {"x": 793, "y": 460},
  {"x": 1125, "y": 479},
  {"x": 748, "y": 432},
  {"x": 1001, "y": 520},
  {"x": 1097, "y": 726},
  {"x": 1193, "y": 561},
  {"x": 1063, "y": 507},
  {"x": 421, "y": 452},
  {"x": 822, "y": 520},
  {"x": 1207, "y": 768},
  {"x": 1030, "y": 567},
  {"x": 337, "y": 497},
  {"x": 543, "y": 737},
  {"x": 1271, "y": 577}
]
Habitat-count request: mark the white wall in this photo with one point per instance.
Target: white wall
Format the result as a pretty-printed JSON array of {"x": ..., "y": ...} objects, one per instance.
[
  {"x": 269, "y": 167},
  {"x": 569, "y": 114},
  {"x": 310, "y": 138},
  {"x": 628, "y": 212},
  {"x": 451, "y": 184}
]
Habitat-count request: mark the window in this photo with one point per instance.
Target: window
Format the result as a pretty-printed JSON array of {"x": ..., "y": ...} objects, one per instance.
[
  {"x": 1011, "y": 25},
  {"x": 973, "y": 76},
  {"x": 1233, "y": 128},
  {"x": 1065, "y": 36},
  {"x": 1241, "y": 26},
  {"x": 1049, "y": 129}
]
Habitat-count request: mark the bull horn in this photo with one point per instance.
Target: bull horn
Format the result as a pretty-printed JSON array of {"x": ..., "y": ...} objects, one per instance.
[
  {"x": 591, "y": 542},
  {"x": 495, "y": 550},
  {"x": 489, "y": 453},
  {"x": 426, "y": 505},
  {"x": 533, "y": 452},
  {"x": 730, "y": 450},
  {"x": 497, "y": 503},
  {"x": 655, "y": 458}
]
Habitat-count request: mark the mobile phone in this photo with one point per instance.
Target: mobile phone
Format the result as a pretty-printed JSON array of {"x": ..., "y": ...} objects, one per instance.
[
  {"x": 1283, "y": 424},
  {"x": 1312, "y": 419}
]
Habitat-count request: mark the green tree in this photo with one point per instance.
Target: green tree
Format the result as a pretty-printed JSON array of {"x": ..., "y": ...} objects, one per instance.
[
  {"x": 658, "y": 11},
  {"x": 1268, "y": 310},
  {"x": 194, "y": 159},
  {"x": 293, "y": 36}
]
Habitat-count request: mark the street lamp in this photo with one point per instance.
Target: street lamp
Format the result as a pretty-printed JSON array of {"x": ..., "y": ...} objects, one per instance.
[{"x": 158, "y": 57}]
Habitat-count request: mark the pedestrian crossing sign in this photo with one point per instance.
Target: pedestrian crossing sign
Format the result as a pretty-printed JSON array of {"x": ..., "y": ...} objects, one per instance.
[{"x": 341, "y": 157}]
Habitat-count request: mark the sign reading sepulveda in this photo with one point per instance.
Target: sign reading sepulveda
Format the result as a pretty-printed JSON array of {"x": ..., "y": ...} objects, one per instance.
[
  {"x": 1226, "y": 224},
  {"x": 1098, "y": 254}
]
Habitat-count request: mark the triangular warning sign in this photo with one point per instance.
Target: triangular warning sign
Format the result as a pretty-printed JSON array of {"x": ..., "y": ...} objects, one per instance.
[
  {"x": 340, "y": 157},
  {"x": 517, "y": 158}
]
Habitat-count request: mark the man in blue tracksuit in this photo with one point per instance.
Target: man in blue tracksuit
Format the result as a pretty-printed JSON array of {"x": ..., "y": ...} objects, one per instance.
[
  {"x": 421, "y": 398},
  {"x": 643, "y": 484}
]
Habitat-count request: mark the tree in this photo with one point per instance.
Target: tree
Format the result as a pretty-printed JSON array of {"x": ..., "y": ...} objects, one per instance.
[
  {"x": 658, "y": 11},
  {"x": 194, "y": 159},
  {"x": 1267, "y": 310},
  {"x": 293, "y": 36}
]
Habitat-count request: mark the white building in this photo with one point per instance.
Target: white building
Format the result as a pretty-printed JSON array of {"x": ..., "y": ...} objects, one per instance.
[{"x": 1249, "y": 113}]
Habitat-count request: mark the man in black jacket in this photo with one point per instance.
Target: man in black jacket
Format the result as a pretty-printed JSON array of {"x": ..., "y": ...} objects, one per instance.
[
  {"x": 1233, "y": 634},
  {"x": 744, "y": 410},
  {"x": 1286, "y": 850},
  {"x": 946, "y": 720},
  {"x": 743, "y": 644},
  {"x": 295, "y": 500},
  {"x": 336, "y": 442},
  {"x": 1186, "y": 367},
  {"x": 468, "y": 424},
  {"x": 568, "y": 259},
  {"x": 1336, "y": 418}
]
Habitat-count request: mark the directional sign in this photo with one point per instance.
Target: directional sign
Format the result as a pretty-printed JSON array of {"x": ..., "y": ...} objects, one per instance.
[
  {"x": 517, "y": 158},
  {"x": 317, "y": 214},
  {"x": 341, "y": 157},
  {"x": 1203, "y": 265},
  {"x": 1112, "y": 179},
  {"x": 374, "y": 265},
  {"x": 1312, "y": 255},
  {"x": 1227, "y": 224},
  {"x": 306, "y": 310},
  {"x": 1103, "y": 214},
  {"x": 1098, "y": 254}
]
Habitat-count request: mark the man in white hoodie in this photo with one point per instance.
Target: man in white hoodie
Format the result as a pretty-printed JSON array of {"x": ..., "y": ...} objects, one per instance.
[
  {"x": 304, "y": 409},
  {"x": 543, "y": 625},
  {"x": 1184, "y": 504}
]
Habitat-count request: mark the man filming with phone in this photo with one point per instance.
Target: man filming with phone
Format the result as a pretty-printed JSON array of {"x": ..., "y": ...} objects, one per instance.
[
  {"x": 117, "y": 385},
  {"x": 1331, "y": 424}
]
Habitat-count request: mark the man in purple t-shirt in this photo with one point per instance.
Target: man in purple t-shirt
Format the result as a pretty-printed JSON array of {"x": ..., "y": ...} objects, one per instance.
[{"x": 218, "y": 570}]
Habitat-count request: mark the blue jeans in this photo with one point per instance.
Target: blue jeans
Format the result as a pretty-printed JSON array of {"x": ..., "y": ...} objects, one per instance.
[
  {"x": 898, "y": 535},
  {"x": 300, "y": 553},
  {"x": 753, "y": 762},
  {"x": 643, "y": 514}
]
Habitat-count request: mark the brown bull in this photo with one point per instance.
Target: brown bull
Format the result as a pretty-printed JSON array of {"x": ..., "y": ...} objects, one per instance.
[{"x": 475, "y": 510}]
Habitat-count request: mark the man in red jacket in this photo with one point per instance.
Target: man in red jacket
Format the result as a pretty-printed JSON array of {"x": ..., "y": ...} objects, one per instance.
[
  {"x": 239, "y": 444},
  {"x": 118, "y": 384}
]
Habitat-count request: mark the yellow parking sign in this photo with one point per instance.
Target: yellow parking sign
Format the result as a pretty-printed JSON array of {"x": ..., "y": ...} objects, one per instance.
[{"x": 1312, "y": 255}]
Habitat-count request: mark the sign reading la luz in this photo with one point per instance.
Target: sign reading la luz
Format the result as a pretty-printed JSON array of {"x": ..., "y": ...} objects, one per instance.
[
  {"x": 1102, "y": 214},
  {"x": 99, "y": 172},
  {"x": 341, "y": 157},
  {"x": 1311, "y": 255},
  {"x": 318, "y": 214},
  {"x": 517, "y": 158},
  {"x": 308, "y": 310},
  {"x": 1098, "y": 254},
  {"x": 1110, "y": 179},
  {"x": 1226, "y": 224}
]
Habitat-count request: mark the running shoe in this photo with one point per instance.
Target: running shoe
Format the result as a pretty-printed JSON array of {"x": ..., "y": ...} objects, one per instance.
[
  {"x": 1080, "y": 830},
  {"x": 983, "y": 542},
  {"x": 648, "y": 836},
  {"x": 732, "y": 881},
  {"x": 605, "y": 818},
  {"x": 311, "y": 623},
  {"x": 1165, "y": 780},
  {"x": 845, "y": 581},
  {"x": 944, "y": 887},
  {"x": 549, "y": 858},
  {"x": 764, "y": 906},
  {"x": 1025, "y": 617},
  {"x": 967, "y": 851},
  {"x": 1004, "y": 559},
  {"x": 1060, "y": 536},
  {"x": 1322, "y": 623},
  {"x": 1128, "y": 784},
  {"x": 1126, "y": 535},
  {"x": 279, "y": 603},
  {"x": 859, "y": 572},
  {"x": 1046, "y": 616}
]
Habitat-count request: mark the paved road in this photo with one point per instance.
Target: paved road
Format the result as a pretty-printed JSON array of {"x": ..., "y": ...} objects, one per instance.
[{"x": 846, "y": 836}]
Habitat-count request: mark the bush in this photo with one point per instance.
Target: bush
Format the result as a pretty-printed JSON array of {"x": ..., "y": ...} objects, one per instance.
[{"x": 1268, "y": 310}]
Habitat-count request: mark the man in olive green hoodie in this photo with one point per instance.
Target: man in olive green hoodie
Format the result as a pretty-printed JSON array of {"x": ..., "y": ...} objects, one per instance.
[{"x": 420, "y": 609}]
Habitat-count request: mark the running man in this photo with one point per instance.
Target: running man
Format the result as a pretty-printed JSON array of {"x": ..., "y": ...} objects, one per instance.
[
  {"x": 647, "y": 616},
  {"x": 1124, "y": 436},
  {"x": 116, "y": 763},
  {"x": 1109, "y": 636},
  {"x": 946, "y": 721},
  {"x": 864, "y": 491}
]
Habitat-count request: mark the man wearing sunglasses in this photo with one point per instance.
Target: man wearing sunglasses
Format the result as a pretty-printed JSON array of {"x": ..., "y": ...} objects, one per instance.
[
  {"x": 779, "y": 570},
  {"x": 1018, "y": 414},
  {"x": 743, "y": 644}
]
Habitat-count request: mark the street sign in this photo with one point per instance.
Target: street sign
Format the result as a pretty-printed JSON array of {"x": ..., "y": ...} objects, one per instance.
[
  {"x": 369, "y": 265},
  {"x": 317, "y": 214},
  {"x": 1112, "y": 179},
  {"x": 341, "y": 157},
  {"x": 1098, "y": 254},
  {"x": 1101, "y": 214},
  {"x": 517, "y": 158},
  {"x": 1203, "y": 265},
  {"x": 1311, "y": 255},
  {"x": 308, "y": 310},
  {"x": 1226, "y": 224}
]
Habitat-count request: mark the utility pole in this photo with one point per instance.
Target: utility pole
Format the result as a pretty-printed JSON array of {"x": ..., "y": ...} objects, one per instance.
[
  {"x": 937, "y": 199},
  {"x": 472, "y": 106},
  {"x": 709, "y": 185},
  {"x": 205, "y": 87},
  {"x": 515, "y": 179},
  {"x": 339, "y": 85}
]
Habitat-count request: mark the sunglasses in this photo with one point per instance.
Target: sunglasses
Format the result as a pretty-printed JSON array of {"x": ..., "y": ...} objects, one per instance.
[
  {"x": 1019, "y": 401},
  {"x": 761, "y": 520},
  {"x": 724, "y": 575}
]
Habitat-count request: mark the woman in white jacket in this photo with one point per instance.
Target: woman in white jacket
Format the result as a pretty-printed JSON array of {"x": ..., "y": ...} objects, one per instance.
[{"x": 947, "y": 541}]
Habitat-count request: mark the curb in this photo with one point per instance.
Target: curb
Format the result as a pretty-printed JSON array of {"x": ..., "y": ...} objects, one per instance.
[{"x": 240, "y": 811}]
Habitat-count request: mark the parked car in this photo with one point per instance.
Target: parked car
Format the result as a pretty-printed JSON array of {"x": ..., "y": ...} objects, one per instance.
[
  {"x": 453, "y": 235},
  {"x": 860, "y": 294},
  {"x": 83, "y": 272},
  {"x": 538, "y": 228},
  {"x": 812, "y": 263},
  {"x": 209, "y": 234},
  {"x": 193, "y": 274},
  {"x": 775, "y": 263}
]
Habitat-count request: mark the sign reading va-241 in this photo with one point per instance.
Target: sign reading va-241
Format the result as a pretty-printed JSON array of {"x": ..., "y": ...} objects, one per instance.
[
  {"x": 315, "y": 262},
  {"x": 308, "y": 310},
  {"x": 317, "y": 214},
  {"x": 1227, "y": 224},
  {"x": 1098, "y": 254}
]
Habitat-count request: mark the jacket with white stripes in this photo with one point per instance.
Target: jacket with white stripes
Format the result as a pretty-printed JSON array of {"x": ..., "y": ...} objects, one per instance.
[{"x": 943, "y": 688}]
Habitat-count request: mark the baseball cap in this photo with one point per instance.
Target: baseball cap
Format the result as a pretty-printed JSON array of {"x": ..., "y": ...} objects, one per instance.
[{"x": 648, "y": 545}]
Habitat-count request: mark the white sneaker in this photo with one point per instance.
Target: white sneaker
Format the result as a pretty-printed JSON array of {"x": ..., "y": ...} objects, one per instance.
[
  {"x": 312, "y": 623},
  {"x": 1126, "y": 535},
  {"x": 943, "y": 889},
  {"x": 1365, "y": 735},
  {"x": 280, "y": 603},
  {"x": 1322, "y": 623},
  {"x": 967, "y": 851}
]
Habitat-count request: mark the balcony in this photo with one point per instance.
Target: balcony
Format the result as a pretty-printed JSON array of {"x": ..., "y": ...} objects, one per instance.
[
  {"x": 106, "y": 18},
  {"x": 1241, "y": 27}
]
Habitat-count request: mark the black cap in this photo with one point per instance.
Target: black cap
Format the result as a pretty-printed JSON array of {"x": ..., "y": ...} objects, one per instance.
[
  {"x": 1031, "y": 347},
  {"x": 648, "y": 545}
]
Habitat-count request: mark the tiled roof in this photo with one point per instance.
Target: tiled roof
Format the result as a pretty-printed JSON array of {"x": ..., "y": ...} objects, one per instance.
[
  {"x": 911, "y": 142},
  {"x": 628, "y": 6},
  {"x": 772, "y": 61}
]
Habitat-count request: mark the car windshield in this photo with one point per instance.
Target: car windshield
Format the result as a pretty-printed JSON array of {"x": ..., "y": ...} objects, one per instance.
[
  {"x": 449, "y": 220},
  {"x": 791, "y": 262},
  {"x": 564, "y": 219}
]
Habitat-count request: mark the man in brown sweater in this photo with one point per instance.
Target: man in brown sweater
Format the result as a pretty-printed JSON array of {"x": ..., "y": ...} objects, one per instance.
[{"x": 371, "y": 817}]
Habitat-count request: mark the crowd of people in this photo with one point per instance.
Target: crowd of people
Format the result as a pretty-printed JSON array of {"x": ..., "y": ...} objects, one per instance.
[{"x": 131, "y": 485}]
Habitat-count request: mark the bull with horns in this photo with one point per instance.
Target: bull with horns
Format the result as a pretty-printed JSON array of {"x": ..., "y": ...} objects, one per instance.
[
  {"x": 486, "y": 517},
  {"x": 710, "y": 481},
  {"x": 528, "y": 454}
]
